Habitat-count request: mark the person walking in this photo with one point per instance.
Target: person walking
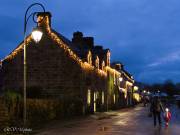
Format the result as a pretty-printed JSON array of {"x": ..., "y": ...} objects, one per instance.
[
  {"x": 167, "y": 117},
  {"x": 156, "y": 108}
]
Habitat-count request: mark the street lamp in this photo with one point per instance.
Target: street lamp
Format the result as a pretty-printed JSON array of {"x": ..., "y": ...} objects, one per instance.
[
  {"x": 136, "y": 88},
  {"x": 36, "y": 35},
  {"x": 120, "y": 79}
]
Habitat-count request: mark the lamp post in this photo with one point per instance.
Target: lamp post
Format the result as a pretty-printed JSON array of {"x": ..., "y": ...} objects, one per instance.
[{"x": 36, "y": 35}]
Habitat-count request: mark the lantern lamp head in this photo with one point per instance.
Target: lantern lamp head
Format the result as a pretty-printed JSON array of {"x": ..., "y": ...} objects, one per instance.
[
  {"x": 120, "y": 79},
  {"x": 37, "y": 34}
]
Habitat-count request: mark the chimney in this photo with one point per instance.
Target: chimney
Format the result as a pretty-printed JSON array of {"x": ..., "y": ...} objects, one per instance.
[
  {"x": 118, "y": 66},
  {"x": 98, "y": 48},
  {"x": 77, "y": 35},
  {"x": 44, "y": 19},
  {"x": 78, "y": 39},
  {"x": 88, "y": 42},
  {"x": 82, "y": 42}
]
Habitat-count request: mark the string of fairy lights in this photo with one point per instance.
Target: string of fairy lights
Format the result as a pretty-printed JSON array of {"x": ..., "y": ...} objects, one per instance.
[{"x": 84, "y": 65}]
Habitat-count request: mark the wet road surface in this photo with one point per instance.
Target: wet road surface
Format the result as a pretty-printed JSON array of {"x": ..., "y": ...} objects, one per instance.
[{"x": 131, "y": 121}]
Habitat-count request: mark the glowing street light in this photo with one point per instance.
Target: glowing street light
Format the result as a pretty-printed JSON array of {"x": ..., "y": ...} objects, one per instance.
[
  {"x": 36, "y": 35},
  {"x": 120, "y": 79},
  {"x": 136, "y": 88}
]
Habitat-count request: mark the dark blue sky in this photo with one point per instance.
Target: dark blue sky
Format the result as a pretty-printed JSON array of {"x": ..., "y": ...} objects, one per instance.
[{"x": 142, "y": 34}]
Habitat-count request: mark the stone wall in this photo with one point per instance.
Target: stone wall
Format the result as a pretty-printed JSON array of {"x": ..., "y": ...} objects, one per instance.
[
  {"x": 4, "y": 117},
  {"x": 51, "y": 73}
]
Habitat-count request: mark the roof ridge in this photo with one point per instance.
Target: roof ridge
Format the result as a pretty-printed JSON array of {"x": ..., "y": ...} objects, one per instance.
[{"x": 18, "y": 48}]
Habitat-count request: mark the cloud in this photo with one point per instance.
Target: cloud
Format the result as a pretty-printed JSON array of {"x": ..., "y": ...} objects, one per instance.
[
  {"x": 158, "y": 76},
  {"x": 171, "y": 57}
]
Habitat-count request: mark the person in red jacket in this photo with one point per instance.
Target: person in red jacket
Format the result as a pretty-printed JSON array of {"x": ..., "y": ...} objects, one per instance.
[{"x": 167, "y": 117}]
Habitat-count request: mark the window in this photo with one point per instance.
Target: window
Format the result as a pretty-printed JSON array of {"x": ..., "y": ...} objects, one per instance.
[
  {"x": 95, "y": 97},
  {"x": 114, "y": 97},
  {"x": 89, "y": 97},
  {"x": 102, "y": 97}
]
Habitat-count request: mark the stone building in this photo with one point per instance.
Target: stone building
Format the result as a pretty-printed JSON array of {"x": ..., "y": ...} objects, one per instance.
[
  {"x": 0, "y": 77},
  {"x": 76, "y": 72}
]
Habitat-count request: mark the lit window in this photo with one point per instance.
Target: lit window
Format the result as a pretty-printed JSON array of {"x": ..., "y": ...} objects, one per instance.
[
  {"x": 102, "y": 97},
  {"x": 114, "y": 97},
  {"x": 95, "y": 97},
  {"x": 89, "y": 97}
]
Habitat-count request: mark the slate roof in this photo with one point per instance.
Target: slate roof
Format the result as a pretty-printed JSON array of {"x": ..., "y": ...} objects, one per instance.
[{"x": 80, "y": 53}]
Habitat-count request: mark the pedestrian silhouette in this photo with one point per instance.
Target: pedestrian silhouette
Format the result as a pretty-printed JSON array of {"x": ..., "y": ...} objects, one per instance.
[{"x": 156, "y": 108}]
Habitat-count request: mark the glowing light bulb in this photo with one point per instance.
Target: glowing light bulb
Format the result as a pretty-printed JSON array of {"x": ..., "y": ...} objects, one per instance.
[{"x": 37, "y": 34}]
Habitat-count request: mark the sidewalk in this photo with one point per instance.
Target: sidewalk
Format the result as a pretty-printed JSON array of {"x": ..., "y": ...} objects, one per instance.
[{"x": 81, "y": 122}]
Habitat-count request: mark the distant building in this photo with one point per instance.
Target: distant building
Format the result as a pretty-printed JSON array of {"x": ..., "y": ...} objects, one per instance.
[{"x": 76, "y": 72}]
